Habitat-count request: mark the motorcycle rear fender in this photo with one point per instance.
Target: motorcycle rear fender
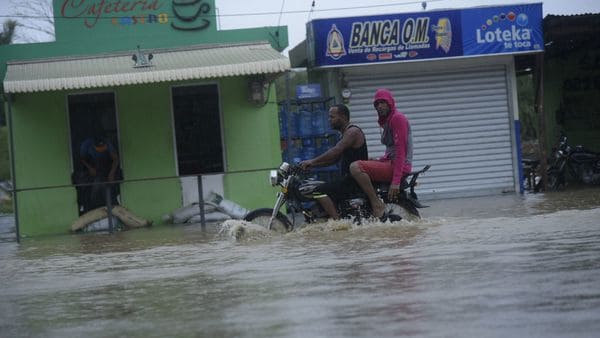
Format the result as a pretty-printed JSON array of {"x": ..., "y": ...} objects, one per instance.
[{"x": 585, "y": 157}]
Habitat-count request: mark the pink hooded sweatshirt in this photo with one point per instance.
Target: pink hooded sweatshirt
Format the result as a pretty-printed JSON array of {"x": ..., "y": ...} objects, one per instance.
[{"x": 396, "y": 137}]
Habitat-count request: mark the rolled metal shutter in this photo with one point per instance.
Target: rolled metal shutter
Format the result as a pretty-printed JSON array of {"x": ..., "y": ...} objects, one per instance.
[{"x": 460, "y": 124}]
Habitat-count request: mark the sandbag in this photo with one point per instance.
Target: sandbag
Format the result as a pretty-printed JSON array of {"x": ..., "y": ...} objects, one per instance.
[
  {"x": 214, "y": 216},
  {"x": 183, "y": 214},
  {"x": 128, "y": 218},
  {"x": 89, "y": 217},
  {"x": 101, "y": 225},
  {"x": 227, "y": 206}
]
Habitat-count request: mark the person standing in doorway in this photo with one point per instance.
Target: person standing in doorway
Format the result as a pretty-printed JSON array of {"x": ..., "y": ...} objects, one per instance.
[
  {"x": 101, "y": 162},
  {"x": 99, "y": 157},
  {"x": 396, "y": 163}
]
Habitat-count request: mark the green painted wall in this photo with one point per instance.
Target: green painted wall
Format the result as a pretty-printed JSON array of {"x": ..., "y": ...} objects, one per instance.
[
  {"x": 42, "y": 153},
  {"x": 252, "y": 141},
  {"x": 147, "y": 150},
  {"x": 151, "y": 26},
  {"x": 42, "y": 159},
  {"x": 131, "y": 19}
]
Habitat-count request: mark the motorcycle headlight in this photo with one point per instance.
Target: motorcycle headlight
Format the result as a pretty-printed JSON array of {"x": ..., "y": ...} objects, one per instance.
[
  {"x": 273, "y": 177},
  {"x": 284, "y": 167}
]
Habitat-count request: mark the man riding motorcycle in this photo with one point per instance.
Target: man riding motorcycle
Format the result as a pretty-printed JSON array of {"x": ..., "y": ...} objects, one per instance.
[
  {"x": 351, "y": 147},
  {"x": 339, "y": 199}
]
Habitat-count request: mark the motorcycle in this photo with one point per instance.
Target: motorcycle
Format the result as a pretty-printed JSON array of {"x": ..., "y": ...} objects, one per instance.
[
  {"x": 298, "y": 193},
  {"x": 583, "y": 165},
  {"x": 532, "y": 180}
]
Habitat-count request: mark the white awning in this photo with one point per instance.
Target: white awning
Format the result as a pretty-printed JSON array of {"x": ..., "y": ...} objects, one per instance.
[{"x": 191, "y": 63}]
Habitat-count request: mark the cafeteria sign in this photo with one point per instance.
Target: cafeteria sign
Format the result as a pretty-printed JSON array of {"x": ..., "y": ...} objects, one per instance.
[{"x": 426, "y": 35}]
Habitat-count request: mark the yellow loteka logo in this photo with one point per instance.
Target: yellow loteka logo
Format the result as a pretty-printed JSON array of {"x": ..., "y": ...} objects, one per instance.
[
  {"x": 443, "y": 34},
  {"x": 335, "y": 43}
]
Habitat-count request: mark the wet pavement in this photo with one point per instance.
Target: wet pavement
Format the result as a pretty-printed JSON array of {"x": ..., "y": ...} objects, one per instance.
[{"x": 512, "y": 204}]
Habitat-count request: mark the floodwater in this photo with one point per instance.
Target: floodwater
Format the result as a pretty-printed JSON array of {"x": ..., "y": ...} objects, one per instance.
[{"x": 504, "y": 266}]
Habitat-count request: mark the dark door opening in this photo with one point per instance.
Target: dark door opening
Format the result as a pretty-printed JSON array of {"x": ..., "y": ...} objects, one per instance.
[
  {"x": 91, "y": 116},
  {"x": 197, "y": 129}
]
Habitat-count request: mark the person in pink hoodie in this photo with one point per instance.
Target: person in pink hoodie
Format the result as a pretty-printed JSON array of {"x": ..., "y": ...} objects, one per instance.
[{"x": 396, "y": 163}]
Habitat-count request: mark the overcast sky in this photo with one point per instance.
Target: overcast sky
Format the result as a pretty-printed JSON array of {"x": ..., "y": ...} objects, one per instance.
[{"x": 295, "y": 13}]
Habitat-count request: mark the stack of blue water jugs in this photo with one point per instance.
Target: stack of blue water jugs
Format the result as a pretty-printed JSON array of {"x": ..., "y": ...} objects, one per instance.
[{"x": 308, "y": 130}]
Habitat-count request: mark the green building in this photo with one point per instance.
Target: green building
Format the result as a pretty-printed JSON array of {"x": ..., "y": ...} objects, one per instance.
[{"x": 176, "y": 96}]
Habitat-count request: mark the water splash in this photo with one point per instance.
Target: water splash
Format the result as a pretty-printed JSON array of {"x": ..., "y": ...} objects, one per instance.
[
  {"x": 239, "y": 231},
  {"x": 244, "y": 231}
]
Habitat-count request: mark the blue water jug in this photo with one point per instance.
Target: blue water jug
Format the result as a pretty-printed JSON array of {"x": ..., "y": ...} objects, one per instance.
[
  {"x": 320, "y": 122},
  {"x": 283, "y": 125},
  {"x": 293, "y": 126},
  {"x": 308, "y": 142},
  {"x": 308, "y": 153},
  {"x": 308, "y": 148},
  {"x": 296, "y": 152},
  {"x": 323, "y": 145},
  {"x": 306, "y": 123}
]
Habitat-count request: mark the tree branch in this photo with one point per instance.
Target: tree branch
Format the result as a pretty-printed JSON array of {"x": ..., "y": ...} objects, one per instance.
[{"x": 35, "y": 16}]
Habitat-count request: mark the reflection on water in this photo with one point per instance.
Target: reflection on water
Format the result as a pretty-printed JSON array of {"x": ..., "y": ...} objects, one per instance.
[{"x": 501, "y": 266}]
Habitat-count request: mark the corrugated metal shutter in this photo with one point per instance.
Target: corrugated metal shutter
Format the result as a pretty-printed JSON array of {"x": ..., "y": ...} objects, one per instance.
[{"x": 460, "y": 123}]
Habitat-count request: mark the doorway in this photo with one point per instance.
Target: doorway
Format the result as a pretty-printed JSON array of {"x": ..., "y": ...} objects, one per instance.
[
  {"x": 197, "y": 122},
  {"x": 92, "y": 116}
]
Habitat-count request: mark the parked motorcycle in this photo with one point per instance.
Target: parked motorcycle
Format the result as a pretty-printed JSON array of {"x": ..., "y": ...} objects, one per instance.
[
  {"x": 583, "y": 165},
  {"x": 532, "y": 179},
  {"x": 299, "y": 195}
]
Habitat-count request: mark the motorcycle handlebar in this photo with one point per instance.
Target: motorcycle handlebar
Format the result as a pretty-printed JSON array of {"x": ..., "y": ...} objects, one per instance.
[{"x": 297, "y": 169}]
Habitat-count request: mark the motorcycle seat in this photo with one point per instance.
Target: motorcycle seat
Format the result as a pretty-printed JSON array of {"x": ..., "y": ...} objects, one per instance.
[
  {"x": 530, "y": 162},
  {"x": 385, "y": 186}
]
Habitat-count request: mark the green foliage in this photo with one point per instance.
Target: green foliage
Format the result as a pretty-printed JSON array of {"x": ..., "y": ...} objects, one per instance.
[
  {"x": 527, "y": 113},
  {"x": 8, "y": 32},
  {"x": 6, "y": 206}
]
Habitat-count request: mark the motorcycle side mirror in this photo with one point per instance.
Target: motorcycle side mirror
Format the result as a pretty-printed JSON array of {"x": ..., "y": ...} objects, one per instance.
[{"x": 563, "y": 140}]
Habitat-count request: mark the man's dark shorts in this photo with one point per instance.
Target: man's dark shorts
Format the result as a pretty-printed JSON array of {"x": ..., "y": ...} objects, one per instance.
[{"x": 341, "y": 189}]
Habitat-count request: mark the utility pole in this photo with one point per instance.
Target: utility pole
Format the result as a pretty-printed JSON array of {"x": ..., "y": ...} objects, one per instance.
[{"x": 539, "y": 107}]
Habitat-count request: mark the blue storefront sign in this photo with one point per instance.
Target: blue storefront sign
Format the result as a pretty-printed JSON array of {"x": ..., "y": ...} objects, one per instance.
[
  {"x": 308, "y": 91},
  {"x": 426, "y": 35}
]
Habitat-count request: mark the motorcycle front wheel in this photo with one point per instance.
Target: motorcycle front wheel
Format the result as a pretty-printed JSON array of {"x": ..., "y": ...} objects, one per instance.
[
  {"x": 262, "y": 217},
  {"x": 556, "y": 179}
]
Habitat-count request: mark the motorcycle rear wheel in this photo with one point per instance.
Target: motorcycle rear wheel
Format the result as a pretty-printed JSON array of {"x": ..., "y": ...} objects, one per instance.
[{"x": 262, "y": 217}]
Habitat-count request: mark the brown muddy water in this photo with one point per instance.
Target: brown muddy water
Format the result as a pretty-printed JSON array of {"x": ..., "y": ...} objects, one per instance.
[{"x": 505, "y": 266}]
